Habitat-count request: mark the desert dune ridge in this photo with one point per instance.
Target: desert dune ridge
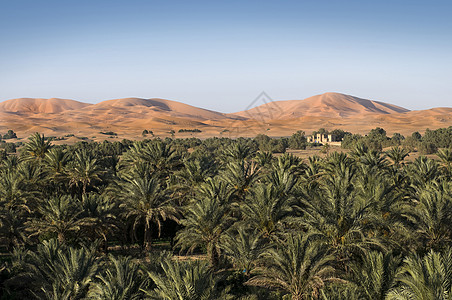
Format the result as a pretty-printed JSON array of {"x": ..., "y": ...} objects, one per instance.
[{"x": 128, "y": 117}]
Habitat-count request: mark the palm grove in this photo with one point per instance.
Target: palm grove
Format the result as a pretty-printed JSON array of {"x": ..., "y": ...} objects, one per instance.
[{"x": 223, "y": 219}]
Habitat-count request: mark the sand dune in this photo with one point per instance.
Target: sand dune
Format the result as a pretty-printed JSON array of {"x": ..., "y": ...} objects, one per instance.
[
  {"x": 37, "y": 105},
  {"x": 327, "y": 105},
  {"x": 128, "y": 117},
  {"x": 158, "y": 106}
]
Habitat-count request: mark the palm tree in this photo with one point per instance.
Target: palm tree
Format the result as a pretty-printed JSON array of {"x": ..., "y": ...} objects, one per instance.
[
  {"x": 338, "y": 213},
  {"x": 99, "y": 215},
  {"x": 383, "y": 221},
  {"x": 84, "y": 170},
  {"x": 399, "y": 179},
  {"x": 191, "y": 176},
  {"x": 299, "y": 267},
  {"x": 378, "y": 190},
  {"x": 205, "y": 222},
  {"x": 145, "y": 202},
  {"x": 289, "y": 163},
  {"x": 312, "y": 172},
  {"x": 266, "y": 211},
  {"x": 15, "y": 206},
  {"x": 340, "y": 291},
  {"x": 284, "y": 176},
  {"x": 215, "y": 188},
  {"x": 58, "y": 272},
  {"x": 339, "y": 165},
  {"x": 58, "y": 215},
  {"x": 37, "y": 147},
  {"x": 430, "y": 217},
  {"x": 186, "y": 281},
  {"x": 241, "y": 175},
  {"x": 55, "y": 162},
  {"x": 122, "y": 279},
  {"x": 33, "y": 177},
  {"x": 422, "y": 171},
  {"x": 238, "y": 151},
  {"x": 446, "y": 160},
  {"x": 359, "y": 150},
  {"x": 74, "y": 273},
  {"x": 375, "y": 274},
  {"x": 13, "y": 192},
  {"x": 196, "y": 171},
  {"x": 159, "y": 157},
  {"x": 423, "y": 278},
  {"x": 12, "y": 227},
  {"x": 397, "y": 154},
  {"x": 243, "y": 248},
  {"x": 264, "y": 159},
  {"x": 10, "y": 163},
  {"x": 374, "y": 161}
]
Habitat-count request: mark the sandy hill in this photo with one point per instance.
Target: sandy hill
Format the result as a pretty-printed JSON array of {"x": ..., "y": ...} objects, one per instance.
[
  {"x": 38, "y": 105},
  {"x": 325, "y": 105},
  {"x": 128, "y": 117},
  {"x": 157, "y": 108}
]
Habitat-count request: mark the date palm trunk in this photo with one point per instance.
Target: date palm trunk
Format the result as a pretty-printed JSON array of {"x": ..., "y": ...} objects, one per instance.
[
  {"x": 61, "y": 238},
  {"x": 147, "y": 236}
]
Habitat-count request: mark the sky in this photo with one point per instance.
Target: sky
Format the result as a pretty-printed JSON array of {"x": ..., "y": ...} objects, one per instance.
[{"x": 221, "y": 55}]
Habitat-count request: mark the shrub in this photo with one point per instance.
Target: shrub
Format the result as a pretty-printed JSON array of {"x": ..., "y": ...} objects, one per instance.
[
  {"x": 416, "y": 136},
  {"x": 427, "y": 148},
  {"x": 321, "y": 131},
  {"x": 264, "y": 142},
  {"x": 189, "y": 130},
  {"x": 410, "y": 143},
  {"x": 441, "y": 138},
  {"x": 10, "y": 148},
  {"x": 146, "y": 132},
  {"x": 108, "y": 133},
  {"x": 350, "y": 140},
  {"x": 325, "y": 148},
  {"x": 2, "y": 155},
  {"x": 298, "y": 140},
  {"x": 340, "y": 134},
  {"x": 373, "y": 144},
  {"x": 279, "y": 146},
  {"x": 396, "y": 139},
  {"x": 10, "y": 135}
]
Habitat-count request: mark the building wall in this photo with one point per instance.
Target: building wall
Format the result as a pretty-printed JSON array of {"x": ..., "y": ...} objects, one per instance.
[{"x": 322, "y": 138}]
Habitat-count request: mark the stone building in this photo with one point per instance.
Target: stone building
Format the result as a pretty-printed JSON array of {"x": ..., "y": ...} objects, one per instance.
[{"x": 322, "y": 138}]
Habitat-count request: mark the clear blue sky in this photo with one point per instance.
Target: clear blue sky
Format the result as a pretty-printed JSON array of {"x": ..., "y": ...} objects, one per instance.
[{"x": 221, "y": 54}]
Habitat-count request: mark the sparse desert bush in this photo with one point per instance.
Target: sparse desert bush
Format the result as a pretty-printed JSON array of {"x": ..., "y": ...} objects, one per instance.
[
  {"x": 298, "y": 140},
  {"x": 425, "y": 147},
  {"x": 189, "y": 130},
  {"x": 10, "y": 135},
  {"x": 108, "y": 133},
  {"x": 411, "y": 143},
  {"x": 441, "y": 138},
  {"x": 8, "y": 147}
]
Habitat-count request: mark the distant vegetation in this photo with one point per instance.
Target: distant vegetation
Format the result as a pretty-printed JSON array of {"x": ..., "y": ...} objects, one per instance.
[
  {"x": 109, "y": 133},
  {"x": 189, "y": 130},
  {"x": 377, "y": 139},
  {"x": 339, "y": 133},
  {"x": 9, "y": 135},
  {"x": 146, "y": 132},
  {"x": 227, "y": 219},
  {"x": 8, "y": 147}
]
